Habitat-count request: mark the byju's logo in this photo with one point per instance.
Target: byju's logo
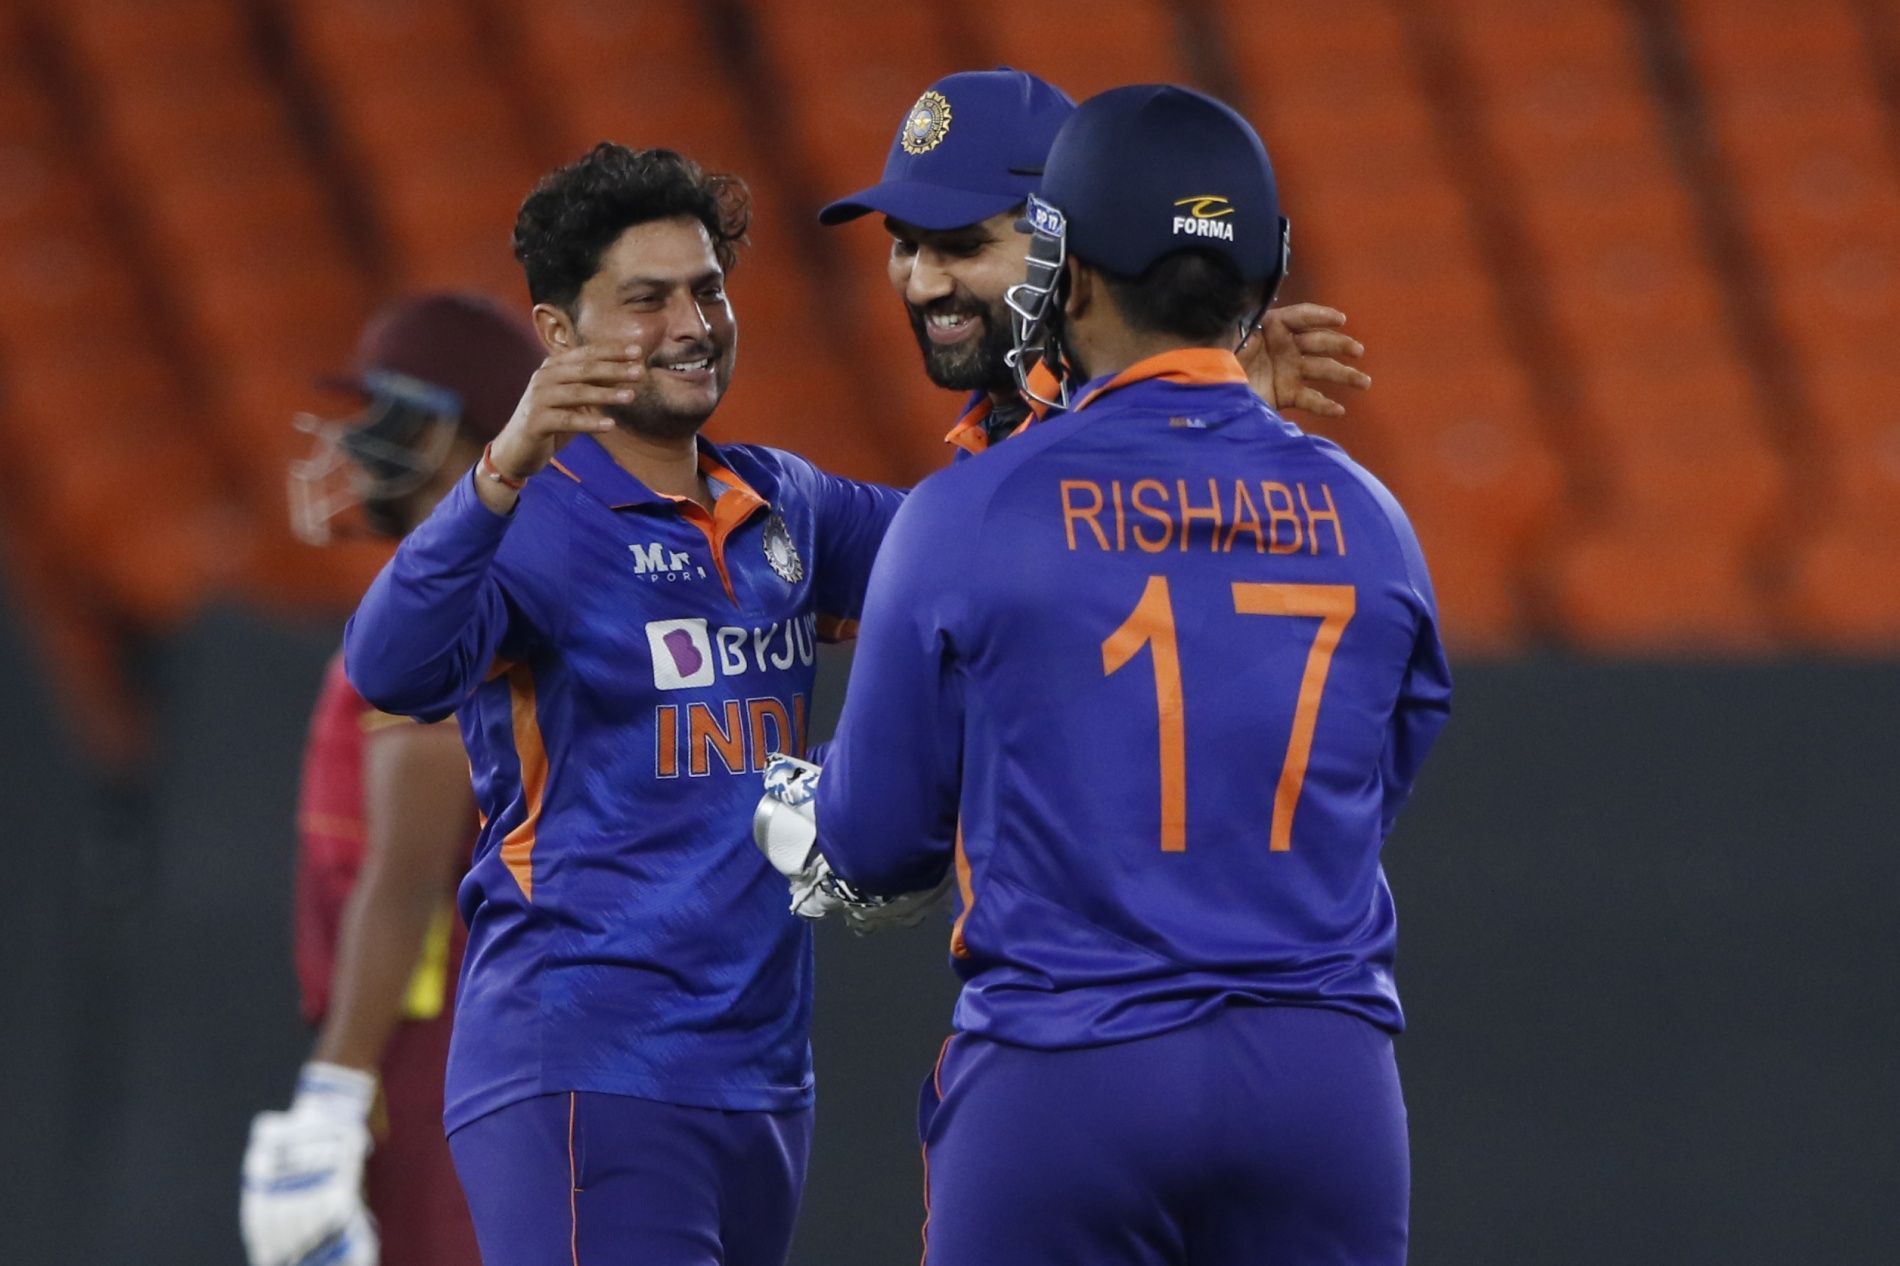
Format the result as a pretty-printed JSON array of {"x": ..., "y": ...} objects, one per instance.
[
  {"x": 656, "y": 562},
  {"x": 689, "y": 653},
  {"x": 682, "y": 653}
]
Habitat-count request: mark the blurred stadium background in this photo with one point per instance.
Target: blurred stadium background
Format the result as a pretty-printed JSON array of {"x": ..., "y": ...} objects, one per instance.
[{"x": 1629, "y": 273}]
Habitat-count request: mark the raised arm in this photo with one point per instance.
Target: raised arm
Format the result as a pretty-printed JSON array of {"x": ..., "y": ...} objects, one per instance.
[{"x": 437, "y": 616}]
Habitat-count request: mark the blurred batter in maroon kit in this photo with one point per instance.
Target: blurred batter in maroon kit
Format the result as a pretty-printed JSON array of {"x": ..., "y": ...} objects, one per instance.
[{"x": 386, "y": 819}]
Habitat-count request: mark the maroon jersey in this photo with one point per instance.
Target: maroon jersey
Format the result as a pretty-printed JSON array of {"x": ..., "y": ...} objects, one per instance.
[
  {"x": 332, "y": 836},
  {"x": 410, "y": 1179},
  {"x": 330, "y": 831}
]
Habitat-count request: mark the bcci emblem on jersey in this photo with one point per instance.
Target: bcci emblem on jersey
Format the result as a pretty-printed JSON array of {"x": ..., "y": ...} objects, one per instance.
[
  {"x": 1204, "y": 217},
  {"x": 781, "y": 553},
  {"x": 927, "y": 124}
]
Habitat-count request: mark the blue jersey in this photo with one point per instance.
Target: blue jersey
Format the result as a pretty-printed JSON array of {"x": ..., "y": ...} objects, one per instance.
[
  {"x": 1155, "y": 677},
  {"x": 621, "y": 663}
]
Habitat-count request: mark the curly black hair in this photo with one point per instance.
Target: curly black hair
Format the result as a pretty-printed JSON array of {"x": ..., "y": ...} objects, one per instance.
[{"x": 576, "y": 212}]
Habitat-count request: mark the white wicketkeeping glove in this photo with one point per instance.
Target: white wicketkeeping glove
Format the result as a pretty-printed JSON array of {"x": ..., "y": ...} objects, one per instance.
[
  {"x": 302, "y": 1203},
  {"x": 785, "y": 826}
]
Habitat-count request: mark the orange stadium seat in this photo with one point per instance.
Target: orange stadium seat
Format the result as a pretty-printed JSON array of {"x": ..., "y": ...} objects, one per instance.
[
  {"x": 851, "y": 70},
  {"x": 225, "y": 194},
  {"x": 1613, "y": 227},
  {"x": 1650, "y": 586},
  {"x": 1795, "y": 107},
  {"x": 101, "y": 433},
  {"x": 1479, "y": 482},
  {"x": 639, "y": 72},
  {"x": 644, "y": 75},
  {"x": 851, "y": 73},
  {"x": 1683, "y": 436},
  {"x": 156, "y": 568},
  {"x": 53, "y": 247},
  {"x": 1775, "y": 41},
  {"x": 228, "y": 215},
  {"x": 1346, "y": 59},
  {"x": 1084, "y": 46},
  {"x": 366, "y": 43},
  {"x": 442, "y": 146},
  {"x": 1856, "y": 433},
  {"x": 1379, "y": 217},
  {"x": 1843, "y": 592},
  {"x": 118, "y": 38},
  {"x": 1556, "y": 78}
]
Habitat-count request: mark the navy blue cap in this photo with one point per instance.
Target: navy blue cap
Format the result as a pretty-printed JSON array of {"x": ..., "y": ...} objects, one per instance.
[
  {"x": 1143, "y": 171},
  {"x": 972, "y": 147}
]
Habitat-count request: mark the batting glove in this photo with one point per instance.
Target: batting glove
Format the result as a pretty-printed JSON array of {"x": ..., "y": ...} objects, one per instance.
[{"x": 302, "y": 1203}]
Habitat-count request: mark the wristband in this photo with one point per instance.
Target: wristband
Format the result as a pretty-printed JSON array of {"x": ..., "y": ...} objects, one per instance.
[
  {"x": 489, "y": 470},
  {"x": 336, "y": 1091}
]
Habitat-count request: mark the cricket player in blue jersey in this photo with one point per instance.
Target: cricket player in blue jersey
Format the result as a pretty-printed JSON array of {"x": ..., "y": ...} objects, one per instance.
[
  {"x": 623, "y": 618},
  {"x": 1152, "y": 681},
  {"x": 964, "y": 159}
]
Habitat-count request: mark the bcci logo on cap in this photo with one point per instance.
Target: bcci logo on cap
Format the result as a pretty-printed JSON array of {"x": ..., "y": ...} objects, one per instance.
[
  {"x": 927, "y": 124},
  {"x": 1203, "y": 217}
]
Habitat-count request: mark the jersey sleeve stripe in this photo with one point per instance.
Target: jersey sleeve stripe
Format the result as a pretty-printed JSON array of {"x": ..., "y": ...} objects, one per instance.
[{"x": 517, "y": 847}]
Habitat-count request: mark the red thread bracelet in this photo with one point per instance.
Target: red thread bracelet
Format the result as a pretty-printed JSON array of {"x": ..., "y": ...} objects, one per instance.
[{"x": 493, "y": 471}]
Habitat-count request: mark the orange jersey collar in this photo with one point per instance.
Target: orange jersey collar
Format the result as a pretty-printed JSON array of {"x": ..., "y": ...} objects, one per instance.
[
  {"x": 1201, "y": 366},
  {"x": 590, "y": 465},
  {"x": 970, "y": 435}
]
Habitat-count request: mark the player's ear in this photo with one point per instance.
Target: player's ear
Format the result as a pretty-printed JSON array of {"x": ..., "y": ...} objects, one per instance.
[
  {"x": 555, "y": 327},
  {"x": 1079, "y": 292}
]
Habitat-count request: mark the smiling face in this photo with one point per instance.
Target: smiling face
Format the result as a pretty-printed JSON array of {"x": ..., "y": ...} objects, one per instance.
[
  {"x": 660, "y": 286},
  {"x": 952, "y": 283}
]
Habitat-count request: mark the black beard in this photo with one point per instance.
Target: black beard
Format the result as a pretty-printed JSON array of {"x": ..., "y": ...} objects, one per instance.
[
  {"x": 978, "y": 365},
  {"x": 648, "y": 415},
  {"x": 655, "y": 422}
]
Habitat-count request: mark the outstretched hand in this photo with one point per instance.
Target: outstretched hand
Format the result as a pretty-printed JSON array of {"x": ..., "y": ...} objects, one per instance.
[
  {"x": 566, "y": 397},
  {"x": 1298, "y": 354}
]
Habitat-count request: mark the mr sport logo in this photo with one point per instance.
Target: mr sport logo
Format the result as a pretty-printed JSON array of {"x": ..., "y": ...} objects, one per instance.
[{"x": 1204, "y": 216}]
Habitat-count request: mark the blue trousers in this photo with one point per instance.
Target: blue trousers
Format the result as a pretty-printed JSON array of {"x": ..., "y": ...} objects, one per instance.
[
  {"x": 587, "y": 1179},
  {"x": 1264, "y": 1135}
]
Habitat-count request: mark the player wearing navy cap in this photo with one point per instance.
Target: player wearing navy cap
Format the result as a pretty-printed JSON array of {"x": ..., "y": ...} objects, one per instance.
[
  {"x": 623, "y": 631},
  {"x": 1152, "y": 681},
  {"x": 965, "y": 158}
]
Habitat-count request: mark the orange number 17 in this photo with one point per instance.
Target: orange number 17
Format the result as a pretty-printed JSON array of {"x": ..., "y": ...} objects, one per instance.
[{"x": 1151, "y": 624}]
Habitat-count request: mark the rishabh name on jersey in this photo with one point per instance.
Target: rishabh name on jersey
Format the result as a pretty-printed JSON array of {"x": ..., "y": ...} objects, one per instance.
[
  {"x": 1158, "y": 711},
  {"x": 644, "y": 658}
]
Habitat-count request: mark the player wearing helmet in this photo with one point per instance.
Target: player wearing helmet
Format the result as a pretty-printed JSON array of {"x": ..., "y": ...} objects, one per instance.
[
  {"x": 385, "y": 824},
  {"x": 965, "y": 158},
  {"x": 1152, "y": 681}
]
